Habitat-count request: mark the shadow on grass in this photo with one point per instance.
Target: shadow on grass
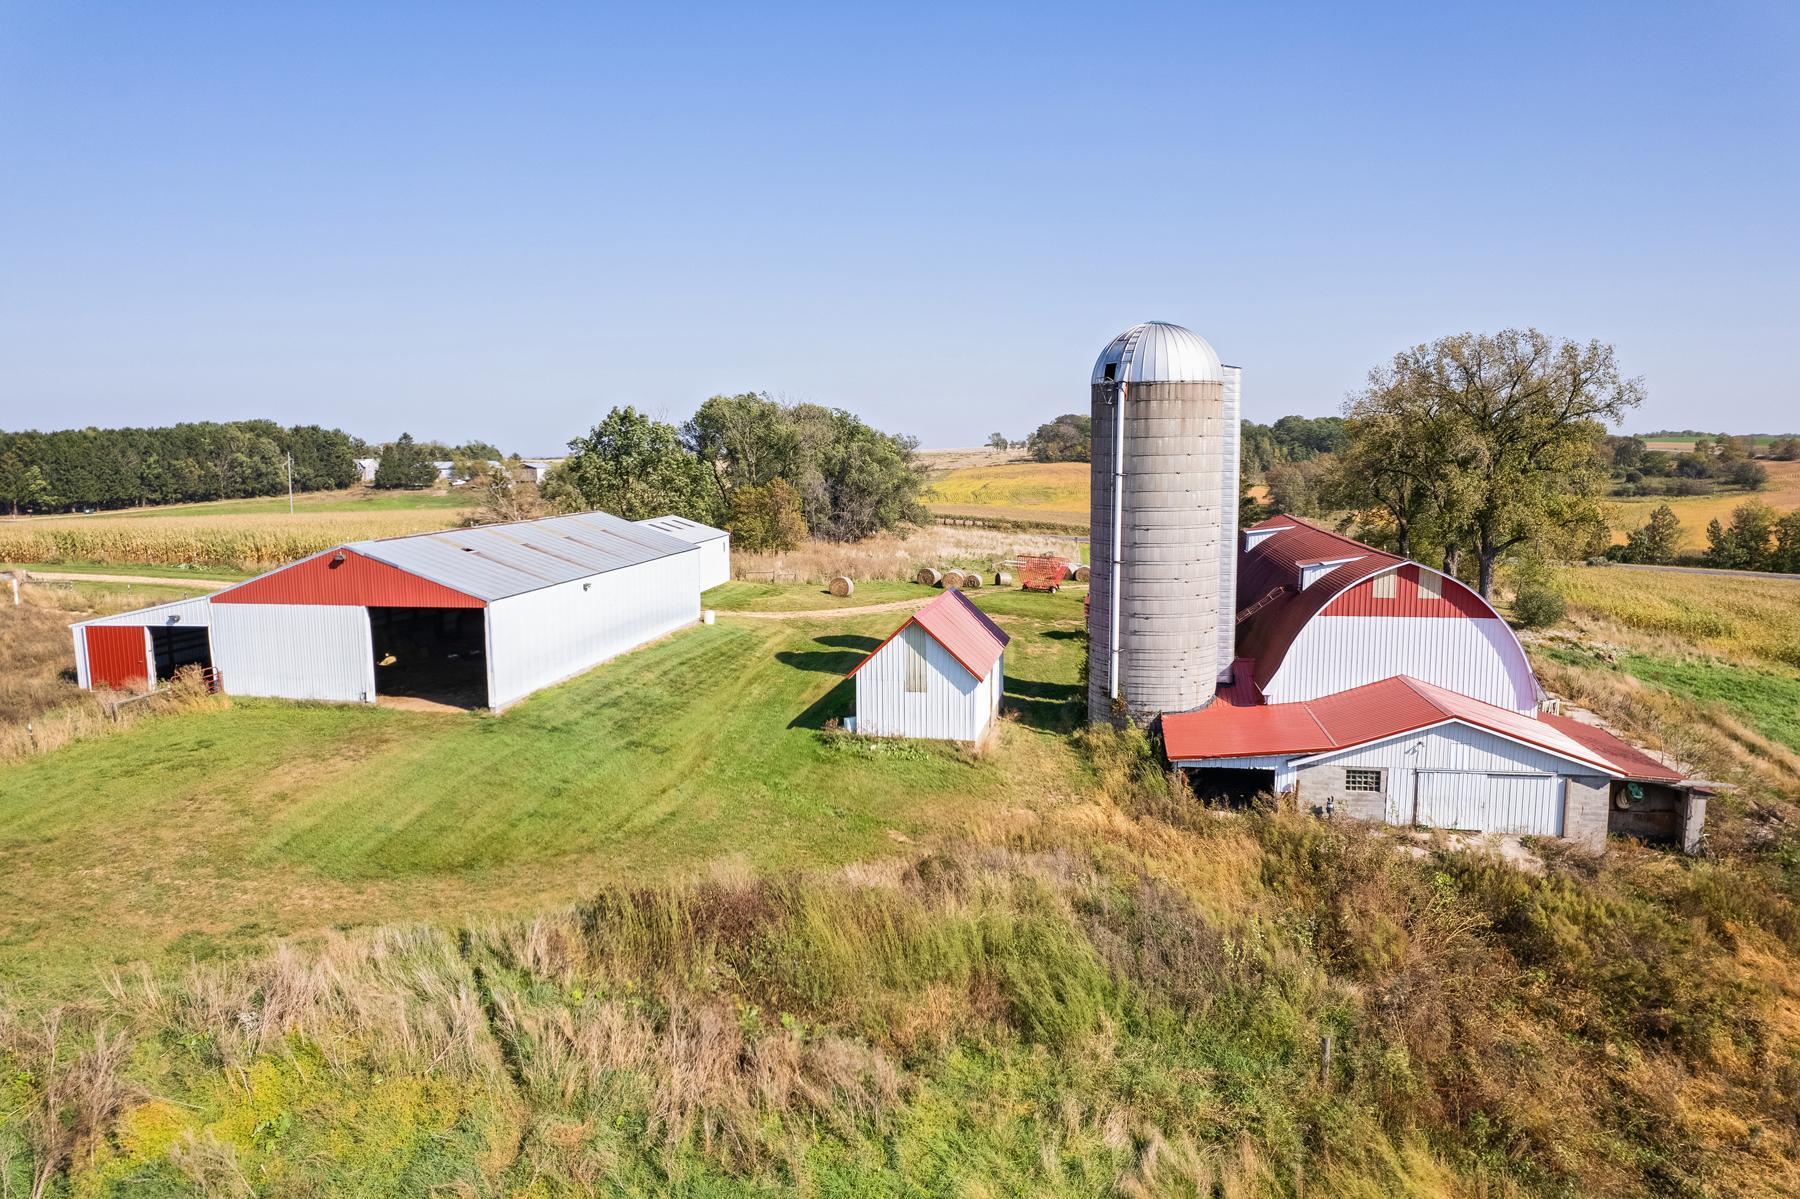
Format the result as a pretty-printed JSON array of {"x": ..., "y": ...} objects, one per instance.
[
  {"x": 1066, "y": 634},
  {"x": 833, "y": 705},
  {"x": 848, "y": 641},
  {"x": 1053, "y": 707},
  {"x": 842, "y": 651}
]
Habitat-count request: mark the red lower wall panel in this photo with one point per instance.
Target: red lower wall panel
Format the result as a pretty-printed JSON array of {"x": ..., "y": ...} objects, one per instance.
[{"x": 115, "y": 655}]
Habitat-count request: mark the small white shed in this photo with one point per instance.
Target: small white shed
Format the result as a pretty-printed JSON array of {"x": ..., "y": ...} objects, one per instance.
[
  {"x": 714, "y": 545},
  {"x": 939, "y": 675}
]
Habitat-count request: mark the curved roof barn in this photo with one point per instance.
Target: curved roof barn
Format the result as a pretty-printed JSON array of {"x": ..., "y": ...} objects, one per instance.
[{"x": 1319, "y": 612}]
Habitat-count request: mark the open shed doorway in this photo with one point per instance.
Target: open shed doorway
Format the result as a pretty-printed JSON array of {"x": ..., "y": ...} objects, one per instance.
[
  {"x": 174, "y": 646},
  {"x": 1231, "y": 786},
  {"x": 434, "y": 654}
]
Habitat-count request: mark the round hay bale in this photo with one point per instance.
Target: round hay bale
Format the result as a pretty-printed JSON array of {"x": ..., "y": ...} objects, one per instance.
[
  {"x": 1082, "y": 573},
  {"x": 1002, "y": 579},
  {"x": 971, "y": 581},
  {"x": 953, "y": 580},
  {"x": 842, "y": 587},
  {"x": 927, "y": 577}
]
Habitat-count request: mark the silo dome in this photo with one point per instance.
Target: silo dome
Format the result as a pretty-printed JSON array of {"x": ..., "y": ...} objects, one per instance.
[{"x": 1158, "y": 352}]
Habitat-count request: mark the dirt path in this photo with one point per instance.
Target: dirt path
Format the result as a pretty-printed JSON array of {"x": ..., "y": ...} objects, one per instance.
[
  {"x": 57, "y": 576},
  {"x": 810, "y": 613}
]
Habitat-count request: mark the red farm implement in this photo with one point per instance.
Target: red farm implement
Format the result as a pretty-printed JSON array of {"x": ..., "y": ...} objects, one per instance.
[{"x": 1042, "y": 573}]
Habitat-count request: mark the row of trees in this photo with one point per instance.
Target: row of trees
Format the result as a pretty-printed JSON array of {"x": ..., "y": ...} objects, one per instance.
[
  {"x": 1756, "y": 538},
  {"x": 773, "y": 473},
  {"x": 1713, "y": 461},
  {"x": 116, "y": 468}
]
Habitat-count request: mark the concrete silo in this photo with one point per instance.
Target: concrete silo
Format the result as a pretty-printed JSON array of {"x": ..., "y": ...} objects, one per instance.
[{"x": 1164, "y": 523}]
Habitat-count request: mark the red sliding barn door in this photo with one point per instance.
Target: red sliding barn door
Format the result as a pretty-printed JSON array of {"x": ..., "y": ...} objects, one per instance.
[{"x": 116, "y": 656}]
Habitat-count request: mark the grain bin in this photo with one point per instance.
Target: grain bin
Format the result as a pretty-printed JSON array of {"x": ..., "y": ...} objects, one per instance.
[{"x": 1164, "y": 522}]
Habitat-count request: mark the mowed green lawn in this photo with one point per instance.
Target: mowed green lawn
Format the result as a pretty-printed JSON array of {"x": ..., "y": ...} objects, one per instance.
[{"x": 206, "y": 833}]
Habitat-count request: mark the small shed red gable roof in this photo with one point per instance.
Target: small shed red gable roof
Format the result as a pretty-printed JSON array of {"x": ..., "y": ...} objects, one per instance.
[
  {"x": 954, "y": 622},
  {"x": 1380, "y": 710}
]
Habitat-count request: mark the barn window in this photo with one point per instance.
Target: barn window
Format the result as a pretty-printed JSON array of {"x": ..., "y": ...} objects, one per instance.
[
  {"x": 1384, "y": 586},
  {"x": 915, "y": 662},
  {"x": 1362, "y": 780},
  {"x": 1430, "y": 586}
]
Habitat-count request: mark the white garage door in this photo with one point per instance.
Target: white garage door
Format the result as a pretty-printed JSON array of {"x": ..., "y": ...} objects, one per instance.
[{"x": 1490, "y": 803}]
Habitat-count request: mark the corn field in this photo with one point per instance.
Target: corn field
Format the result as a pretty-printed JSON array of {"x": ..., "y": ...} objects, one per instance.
[{"x": 255, "y": 542}]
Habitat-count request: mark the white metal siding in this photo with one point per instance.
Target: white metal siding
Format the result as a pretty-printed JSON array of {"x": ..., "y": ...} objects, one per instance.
[
  {"x": 188, "y": 613},
  {"x": 1470, "y": 656},
  {"x": 1459, "y": 759},
  {"x": 1228, "y": 517},
  {"x": 1490, "y": 803},
  {"x": 544, "y": 636},
  {"x": 715, "y": 562},
  {"x": 954, "y": 706},
  {"x": 294, "y": 651}
]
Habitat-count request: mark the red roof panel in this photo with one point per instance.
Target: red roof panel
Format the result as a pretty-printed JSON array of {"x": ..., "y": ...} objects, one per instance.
[
  {"x": 345, "y": 577},
  {"x": 1634, "y": 762},
  {"x": 954, "y": 622},
  {"x": 1373, "y": 712}
]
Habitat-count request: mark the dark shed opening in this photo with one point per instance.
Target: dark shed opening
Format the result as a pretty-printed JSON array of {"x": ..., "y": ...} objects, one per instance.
[{"x": 436, "y": 654}]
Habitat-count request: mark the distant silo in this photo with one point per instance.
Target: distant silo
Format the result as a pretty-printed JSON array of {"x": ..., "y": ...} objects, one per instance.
[{"x": 1164, "y": 522}]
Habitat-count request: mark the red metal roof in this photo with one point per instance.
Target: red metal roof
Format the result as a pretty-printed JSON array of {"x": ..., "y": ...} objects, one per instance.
[
  {"x": 1224, "y": 729},
  {"x": 954, "y": 622},
  {"x": 345, "y": 577},
  {"x": 1272, "y": 608},
  {"x": 1633, "y": 761}
]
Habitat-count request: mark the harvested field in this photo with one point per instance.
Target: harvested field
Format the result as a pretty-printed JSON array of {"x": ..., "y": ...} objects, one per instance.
[
  {"x": 1781, "y": 493},
  {"x": 887, "y": 556}
]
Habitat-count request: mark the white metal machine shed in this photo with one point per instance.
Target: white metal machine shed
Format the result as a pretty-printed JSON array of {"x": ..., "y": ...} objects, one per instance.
[
  {"x": 476, "y": 617},
  {"x": 714, "y": 545}
]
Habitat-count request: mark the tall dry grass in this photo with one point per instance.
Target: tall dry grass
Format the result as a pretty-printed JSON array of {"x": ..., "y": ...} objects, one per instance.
[
  {"x": 898, "y": 558},
  {"x": 41, "y": 707}
]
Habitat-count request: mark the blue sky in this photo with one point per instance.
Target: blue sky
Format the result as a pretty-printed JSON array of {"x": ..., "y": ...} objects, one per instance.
[{"x": 500, "y": 220}]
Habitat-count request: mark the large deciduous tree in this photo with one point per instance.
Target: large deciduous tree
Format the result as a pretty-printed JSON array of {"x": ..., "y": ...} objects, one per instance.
[
  {"x": 1492, "y": 438},
  {"x": 851, "y": 480},
  {"x": 634, "y": 467},
  {"x": 1068, "y": 438}
]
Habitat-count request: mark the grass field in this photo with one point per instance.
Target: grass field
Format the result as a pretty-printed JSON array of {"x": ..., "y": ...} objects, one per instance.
[
  {"x": 201, "y": 833},
  {"x": 1756, "y": 619},
  {"x": 1781, "y": 493},
  {"x": 1053, "y": 492}
]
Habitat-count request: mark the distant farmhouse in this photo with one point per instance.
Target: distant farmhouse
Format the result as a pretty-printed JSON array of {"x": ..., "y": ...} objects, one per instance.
[
  {"x": 1296, "y": 660},
  {"x": 477, "y": 617}
]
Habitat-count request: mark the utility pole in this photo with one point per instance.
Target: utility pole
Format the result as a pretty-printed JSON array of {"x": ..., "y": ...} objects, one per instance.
[{"x": 290, "y": 466}]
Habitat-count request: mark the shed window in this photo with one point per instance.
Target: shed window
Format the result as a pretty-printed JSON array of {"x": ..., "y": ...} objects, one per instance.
[
  {"x": 915, "y": 661},
  {"x": 1362, "y": 780},
  {"x": 1384, "y": 586},
  {"x": 1430, "y": 586}
]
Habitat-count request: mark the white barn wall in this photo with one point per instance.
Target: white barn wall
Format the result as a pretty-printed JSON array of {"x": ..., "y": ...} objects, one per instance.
[
  {"x": 294, "y": 651},
  {"x": 955, "y": 705},
  {"x": 715, "y": 562},
  {"x": 1475, "y": 657},
  {"x": 1450, "y": 747},
  {"x": 541, "y": 637}
]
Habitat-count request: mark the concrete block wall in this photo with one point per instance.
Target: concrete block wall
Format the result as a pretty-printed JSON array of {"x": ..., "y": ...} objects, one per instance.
[
  {"x": 1317, "y": 785},
  {"x": 1587, "y": 809}
]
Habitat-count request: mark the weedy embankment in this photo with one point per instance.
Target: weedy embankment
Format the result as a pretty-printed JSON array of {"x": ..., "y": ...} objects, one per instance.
[{"x": 1122, "y": 994}]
